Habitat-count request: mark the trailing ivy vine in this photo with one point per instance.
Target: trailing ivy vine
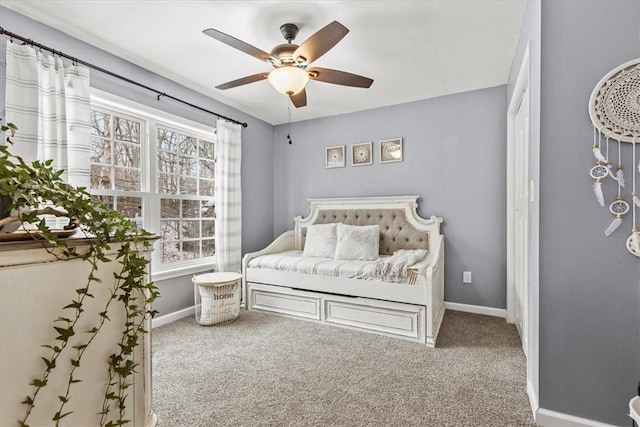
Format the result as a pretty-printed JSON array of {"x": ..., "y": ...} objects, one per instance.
[{"x": 34, "y": 185}]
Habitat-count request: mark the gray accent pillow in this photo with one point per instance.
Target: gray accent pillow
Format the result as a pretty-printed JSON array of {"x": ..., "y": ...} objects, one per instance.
[
  {"x": 320, "y": 241},
  {"x": 358, "y": 242}
]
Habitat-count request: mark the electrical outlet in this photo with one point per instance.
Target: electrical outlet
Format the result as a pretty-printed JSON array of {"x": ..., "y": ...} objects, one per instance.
[{"x": 466, "y": 277}]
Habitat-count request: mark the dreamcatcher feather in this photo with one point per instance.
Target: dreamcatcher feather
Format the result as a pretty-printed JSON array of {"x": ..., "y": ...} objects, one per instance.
[
  {"x": 614, "y": 109},
  {"x": 599, "y": 171}
]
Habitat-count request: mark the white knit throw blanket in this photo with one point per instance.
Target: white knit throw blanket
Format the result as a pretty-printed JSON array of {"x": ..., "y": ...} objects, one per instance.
[{"x": 396, "y": 267}]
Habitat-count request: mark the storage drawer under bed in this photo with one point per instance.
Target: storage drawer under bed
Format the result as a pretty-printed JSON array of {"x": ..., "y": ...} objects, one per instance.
[{"x": 400, "y": 320}]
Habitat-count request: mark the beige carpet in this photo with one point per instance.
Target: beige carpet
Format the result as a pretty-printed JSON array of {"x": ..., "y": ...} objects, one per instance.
[{"x": 267, "y": 370}]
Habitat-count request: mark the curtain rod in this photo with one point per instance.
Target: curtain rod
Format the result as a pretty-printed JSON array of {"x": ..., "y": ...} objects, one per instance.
[{"x": 112, "y": 74}]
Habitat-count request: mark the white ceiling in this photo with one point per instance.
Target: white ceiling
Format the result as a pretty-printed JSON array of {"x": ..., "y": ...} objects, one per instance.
[{"x": 412, "y": 49}]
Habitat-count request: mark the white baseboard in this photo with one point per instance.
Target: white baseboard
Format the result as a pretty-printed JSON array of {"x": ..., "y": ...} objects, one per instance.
[
  {"x": 477, "y": 309},
  {"x": 533, "y": 399},
  {"x": 172, "y": 317},
  {"x": 548, "y": 418}
]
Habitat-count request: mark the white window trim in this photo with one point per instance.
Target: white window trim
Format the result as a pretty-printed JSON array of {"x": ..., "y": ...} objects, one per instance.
[{"x": 102, "y": 99}]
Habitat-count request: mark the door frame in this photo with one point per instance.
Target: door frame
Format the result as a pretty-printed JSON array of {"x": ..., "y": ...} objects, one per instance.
[
  {"x": 524, "y": 81},
  {"x": 521, "y": 159}
]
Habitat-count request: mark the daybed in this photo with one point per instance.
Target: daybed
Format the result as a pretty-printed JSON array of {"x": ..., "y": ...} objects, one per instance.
[{"x": 412, "y": 310}]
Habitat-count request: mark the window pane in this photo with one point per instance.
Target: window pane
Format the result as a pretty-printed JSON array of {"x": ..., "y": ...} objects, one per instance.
[
  {"x": 127, "y": 130},
  {"x": 100, "y": 124},
  {"x": 127, "y": 155},
  {"x": 168, "y": 162},
  {"x": 188, "y": 185},
  {"x": 208, "y": 228},
  {"x": 107, "y": 200},
  {"x": 170, "y": 252},
  {"x": 169, "y": 230},
  {"x": 188, "y": 166},
  {"x": 208, "y": 209},
  {"x": 100, "y": 151},
  {"x": 191, "y": 229},
  {"x": 127, "y": 179},
  {"x": 167, "y": 183},
  {"x": 188, "y": 145},
  {"x": 207, "y": 150},
  {"x": 206, "y": 187},
  {"x": 167, "y": 140},
  {"x": 100, "y": 177},
  {"x": 190, "y": 250},
  {"x": 206, "y": 169},
  {"x": 130, "y": 206},
  {"x": 208, "y": 248},
  {"x": 191, "y": 208},
  {"x": 170, "y": 208}
]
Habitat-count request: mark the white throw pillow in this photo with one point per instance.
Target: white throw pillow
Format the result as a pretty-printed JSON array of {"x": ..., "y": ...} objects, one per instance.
[
  {"x": 321, "y": 241},
  {"x": 358, "y": 242}
]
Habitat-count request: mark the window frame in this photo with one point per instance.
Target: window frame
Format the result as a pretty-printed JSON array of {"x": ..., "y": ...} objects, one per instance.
[{"x": 152, "y": 119}]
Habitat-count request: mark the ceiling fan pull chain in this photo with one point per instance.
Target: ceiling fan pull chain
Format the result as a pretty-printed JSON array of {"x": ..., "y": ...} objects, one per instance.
[{"x": 289, "y": 118}]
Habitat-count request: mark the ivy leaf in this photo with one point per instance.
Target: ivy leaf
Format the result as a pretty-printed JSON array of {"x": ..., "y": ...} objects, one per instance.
[
  {"x": 38, "y": 383},
  {"x": 50, "y": 363},
  {"x": 58, "y": 416},
  {"x": 74, "y": 304}
]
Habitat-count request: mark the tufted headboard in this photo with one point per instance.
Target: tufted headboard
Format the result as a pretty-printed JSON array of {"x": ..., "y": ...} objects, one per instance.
[{"x": 400, "y": 225}]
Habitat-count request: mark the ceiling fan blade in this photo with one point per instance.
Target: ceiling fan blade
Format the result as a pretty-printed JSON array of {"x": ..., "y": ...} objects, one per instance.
[
  {"x": 320, "y": 43},
  {"x": 299, "y": 99},
  {"x": 243, "y": 81},
  {"x": 339, "y": 77},
  {"x": 240, "y": 45}
]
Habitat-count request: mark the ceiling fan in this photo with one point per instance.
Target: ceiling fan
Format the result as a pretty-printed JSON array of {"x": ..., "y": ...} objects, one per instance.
[{"x": 291, "y": 62}]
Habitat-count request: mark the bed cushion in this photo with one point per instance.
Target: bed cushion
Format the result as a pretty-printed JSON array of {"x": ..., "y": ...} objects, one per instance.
[
  {"x": 358, "y": 242},
  {"x": 321, "y": 241},
  {"x": 294, "y": 261}
]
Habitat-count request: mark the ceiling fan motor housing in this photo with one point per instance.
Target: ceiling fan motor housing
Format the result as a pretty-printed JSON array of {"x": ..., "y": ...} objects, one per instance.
[
  {"x": 289, "y": 31},
  {"x": 284, "y": 52}
]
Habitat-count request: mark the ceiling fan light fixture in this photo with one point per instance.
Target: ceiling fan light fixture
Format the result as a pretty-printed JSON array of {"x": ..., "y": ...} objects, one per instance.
[{"x": 288, "y": 80}]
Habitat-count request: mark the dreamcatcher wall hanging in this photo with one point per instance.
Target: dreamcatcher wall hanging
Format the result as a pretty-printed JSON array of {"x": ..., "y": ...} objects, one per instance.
[{"x": 614, "y": 108}]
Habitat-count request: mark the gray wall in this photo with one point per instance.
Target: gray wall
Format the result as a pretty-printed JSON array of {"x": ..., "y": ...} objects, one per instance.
[
  {"x": 589, "y": 284},
  {"x": 454, "y": 158},
  {"x": 257, "y": 138}
]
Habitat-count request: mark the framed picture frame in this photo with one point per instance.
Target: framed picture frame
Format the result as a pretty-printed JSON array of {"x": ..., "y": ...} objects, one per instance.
[
  {"x": 391, "y": 150},
  {"x": 335, "y": 156},
  {"x": 362, "y": 154}
]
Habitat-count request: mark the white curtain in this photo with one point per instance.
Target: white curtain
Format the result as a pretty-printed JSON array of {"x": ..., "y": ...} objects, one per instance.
[
  {"x": 49, "y": 103},
  {"x": 228, "y": 197}
]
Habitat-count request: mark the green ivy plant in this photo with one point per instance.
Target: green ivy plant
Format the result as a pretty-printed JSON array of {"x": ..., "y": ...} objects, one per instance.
[{"x": 38, "y": 183}]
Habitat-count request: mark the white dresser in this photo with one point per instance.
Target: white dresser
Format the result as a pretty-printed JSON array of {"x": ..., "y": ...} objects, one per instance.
[{"x": 34, "y": 287}]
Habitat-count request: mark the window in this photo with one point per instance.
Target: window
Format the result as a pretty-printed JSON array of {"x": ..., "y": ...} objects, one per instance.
[
  {"x": 158, "y": 170},
  {"x": 185, "y": 184},
  {"x": 115, "y": 162}
]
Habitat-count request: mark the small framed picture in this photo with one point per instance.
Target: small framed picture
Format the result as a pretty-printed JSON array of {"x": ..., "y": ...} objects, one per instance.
[
  {"x": 362, "y": 154},
  {"x": 391, "y": 150},
  {"x": 335, "y": 156}
]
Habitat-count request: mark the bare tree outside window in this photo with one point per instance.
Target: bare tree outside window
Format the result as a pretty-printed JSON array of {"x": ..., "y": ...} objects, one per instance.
[
  {"x": 183, "y": 190},
  {"x": 186, "y": 171}
]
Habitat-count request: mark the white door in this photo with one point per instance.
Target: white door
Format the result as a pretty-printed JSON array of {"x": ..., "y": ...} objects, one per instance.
[{"x": 521, "y": 223}]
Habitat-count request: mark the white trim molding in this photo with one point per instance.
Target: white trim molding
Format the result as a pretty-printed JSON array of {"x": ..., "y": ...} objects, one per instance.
[
  {"x": 476, "y": 309},
  {"x": 533, "y": 398},
  {"x": 172, "y": 317},
  {"x": 548, "y": 418}
]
